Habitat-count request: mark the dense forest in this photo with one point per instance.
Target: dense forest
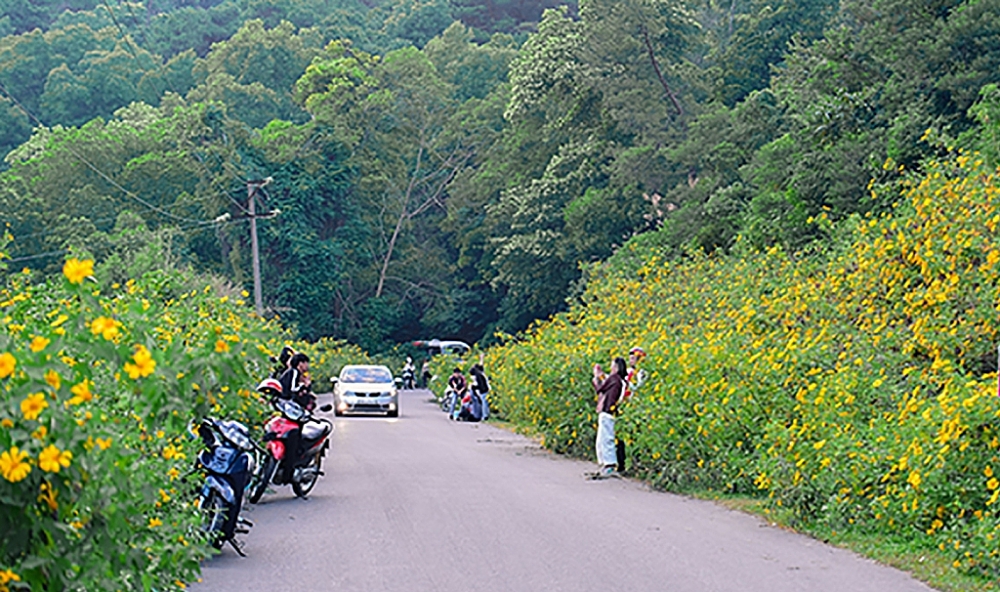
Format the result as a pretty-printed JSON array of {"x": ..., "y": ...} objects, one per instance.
[{"x": 451, "y": 168}]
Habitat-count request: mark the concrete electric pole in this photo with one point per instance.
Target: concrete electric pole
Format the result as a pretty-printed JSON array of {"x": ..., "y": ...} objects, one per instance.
[{"x": 258, "y": 297}]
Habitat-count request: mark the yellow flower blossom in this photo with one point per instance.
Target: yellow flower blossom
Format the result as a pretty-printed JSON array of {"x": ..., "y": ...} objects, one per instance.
[
  {"x": 38, "y": 343},
  {"x": 33, "y": 405},
  {"x": 105, "y": 327},
  {"x": 81, "y": 393},
  {"x": 6, "y": 422},
  {"x": 52, "y": 379},
  {"x": 6, "y": 577},
  {"x": 52, "y": 459},
  {"x": 48, "y": 496},
  {"x": 221, "y": 346},
  {"x": 76, "y": 270},
  {"x": 103, "y": 443},
  {"x": 992, "y": 483},
  {"x": 13, "y": 466},
  {"x": 154, "y": 522},
  {"x": 171, "y": 452},
  {"x": 40, "y": 433},
  {"x": 144, "y": 363},
  {"x": 7, "y": 364}
]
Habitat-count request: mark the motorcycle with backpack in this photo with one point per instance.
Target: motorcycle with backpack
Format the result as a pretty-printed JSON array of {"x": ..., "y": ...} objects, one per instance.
[
  {"x": 296, "y": 443},
  {"x": 228, "y": 464}
]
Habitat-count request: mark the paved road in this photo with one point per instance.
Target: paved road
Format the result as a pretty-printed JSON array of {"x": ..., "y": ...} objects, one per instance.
[{"x": 420, "y": 503}]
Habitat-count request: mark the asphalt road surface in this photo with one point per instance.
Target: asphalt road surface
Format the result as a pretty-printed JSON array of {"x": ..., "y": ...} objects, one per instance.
[{"x": 421, "y": 503}]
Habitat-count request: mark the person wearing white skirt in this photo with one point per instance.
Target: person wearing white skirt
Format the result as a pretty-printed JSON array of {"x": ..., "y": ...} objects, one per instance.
[{"x": 609, "y": 391}]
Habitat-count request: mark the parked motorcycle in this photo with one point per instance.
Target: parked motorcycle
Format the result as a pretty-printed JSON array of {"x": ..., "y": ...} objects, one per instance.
[
  {"x": 228, "y": 464},
  {"x": 315, "y": 440}
]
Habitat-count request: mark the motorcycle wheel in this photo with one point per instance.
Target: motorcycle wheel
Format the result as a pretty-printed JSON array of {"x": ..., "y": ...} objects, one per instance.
[
  {"x": 302, "y": 488},
  {"x": 262, "y": 479},
  {"x": 214, "y": 509}
]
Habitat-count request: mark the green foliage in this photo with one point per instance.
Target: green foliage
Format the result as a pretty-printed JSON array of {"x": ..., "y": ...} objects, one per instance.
[
  {"x": 851, "y": 388},
  {"x": 475, "y": 70},
  {"x": 117, "y": 374}
]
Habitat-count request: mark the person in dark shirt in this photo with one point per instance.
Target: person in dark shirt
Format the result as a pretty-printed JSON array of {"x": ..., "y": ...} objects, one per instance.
[
  {"x": 609, "y": 391},
  {"x": 295, "y": 384}
]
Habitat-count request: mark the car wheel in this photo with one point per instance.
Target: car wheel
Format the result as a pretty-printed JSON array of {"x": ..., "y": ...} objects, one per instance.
[{"x": 393, "y": 413}]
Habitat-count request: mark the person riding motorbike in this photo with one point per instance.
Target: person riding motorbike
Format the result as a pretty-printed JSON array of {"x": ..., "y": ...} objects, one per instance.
[
  {"x": 295, "y": 386},
  {"x": 409, "y": 373}
]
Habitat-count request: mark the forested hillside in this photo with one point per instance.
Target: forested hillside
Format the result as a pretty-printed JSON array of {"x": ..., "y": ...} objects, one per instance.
[{"x": 449, "y": 168}]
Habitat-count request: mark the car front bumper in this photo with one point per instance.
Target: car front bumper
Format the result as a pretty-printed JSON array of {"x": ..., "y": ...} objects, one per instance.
[{"x": 355, "y": 404}]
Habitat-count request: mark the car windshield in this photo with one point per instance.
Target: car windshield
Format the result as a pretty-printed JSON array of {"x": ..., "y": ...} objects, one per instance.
[{"x": 366, "y": 375}]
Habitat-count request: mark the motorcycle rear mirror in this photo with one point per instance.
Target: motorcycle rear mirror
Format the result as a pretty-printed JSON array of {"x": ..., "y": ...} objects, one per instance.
[
  {"x": 334, "y": 379},
  {"x": 326, "y": 408}
]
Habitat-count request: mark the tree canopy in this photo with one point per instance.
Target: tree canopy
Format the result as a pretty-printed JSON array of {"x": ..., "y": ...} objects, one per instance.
[{"x": 454, "y": 167}]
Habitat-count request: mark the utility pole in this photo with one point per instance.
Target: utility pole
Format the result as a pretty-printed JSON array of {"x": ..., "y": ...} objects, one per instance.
[{"x": 258, "y": 297}]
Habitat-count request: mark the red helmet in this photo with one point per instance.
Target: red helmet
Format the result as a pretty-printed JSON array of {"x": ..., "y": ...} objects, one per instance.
[
  {"x": 638, "y": 351},
  {"x": 270, "y": 387}
]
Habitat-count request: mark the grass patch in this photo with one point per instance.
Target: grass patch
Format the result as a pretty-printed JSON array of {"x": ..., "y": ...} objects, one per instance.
[{"x": 927, "y": 564}]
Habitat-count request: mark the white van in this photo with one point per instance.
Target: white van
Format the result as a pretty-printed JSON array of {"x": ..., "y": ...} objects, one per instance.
[{"x": 436, "y": 347}]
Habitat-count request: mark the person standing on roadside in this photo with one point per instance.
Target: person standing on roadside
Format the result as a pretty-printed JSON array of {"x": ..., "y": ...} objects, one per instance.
[
  {"x": 425, "y": 373},
  {"x": 609, "y": 391},
  {"x": 481, "y": 386},
  {"x": 633, "y": 380}
]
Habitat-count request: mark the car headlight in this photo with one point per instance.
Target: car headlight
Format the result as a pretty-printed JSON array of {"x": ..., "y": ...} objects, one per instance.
[{"x": 342, "y": 406}]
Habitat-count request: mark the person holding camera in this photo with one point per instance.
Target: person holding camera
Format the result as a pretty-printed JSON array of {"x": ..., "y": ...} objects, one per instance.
[{"x": 609, "y": 391}]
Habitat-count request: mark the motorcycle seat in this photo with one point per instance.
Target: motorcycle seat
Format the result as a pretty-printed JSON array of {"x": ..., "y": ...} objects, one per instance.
[{"x": 316, "y": 429}]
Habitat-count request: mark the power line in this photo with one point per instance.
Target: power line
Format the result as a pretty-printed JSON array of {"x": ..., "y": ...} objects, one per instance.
[
  {"x": 37, "y": 256},
  {"x": 125, "y": 38},
  {"x": 98, "y": 171},
  {"x": 181, "y": 229},
  {"x": 129, "y": 43}
]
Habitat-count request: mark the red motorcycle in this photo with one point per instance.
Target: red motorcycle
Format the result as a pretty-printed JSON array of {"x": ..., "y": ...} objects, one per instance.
[{"x": 314, "y": 442}]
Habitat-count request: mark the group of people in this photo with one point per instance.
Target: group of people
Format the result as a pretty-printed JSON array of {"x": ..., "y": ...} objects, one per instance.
[
  {"x": 472, "y": 393},
  {"x": 614, "y": 389}
]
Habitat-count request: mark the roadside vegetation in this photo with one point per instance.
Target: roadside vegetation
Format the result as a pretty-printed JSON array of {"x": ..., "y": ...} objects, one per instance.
[
  {"x": 99, "y": 384},
  {"x": 790, "y": 205},
  {"x": 853, "y": 388}
]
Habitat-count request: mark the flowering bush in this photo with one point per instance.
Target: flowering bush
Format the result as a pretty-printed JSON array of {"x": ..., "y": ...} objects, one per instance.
[
  {"x": 97, "y": 390},
  {"x": 853, "y": 387}
]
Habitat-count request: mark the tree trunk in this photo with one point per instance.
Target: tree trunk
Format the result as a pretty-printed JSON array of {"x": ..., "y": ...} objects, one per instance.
[
  {"x": 659, "y": 74},
  {"x": 399, "y": 221}
]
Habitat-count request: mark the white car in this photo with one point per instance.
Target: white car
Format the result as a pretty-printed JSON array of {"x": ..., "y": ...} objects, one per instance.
[{"x": 365, "y": 389}]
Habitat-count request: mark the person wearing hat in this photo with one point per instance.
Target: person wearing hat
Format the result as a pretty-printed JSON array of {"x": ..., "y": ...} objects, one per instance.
[{"x": 633, "y": 380}]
